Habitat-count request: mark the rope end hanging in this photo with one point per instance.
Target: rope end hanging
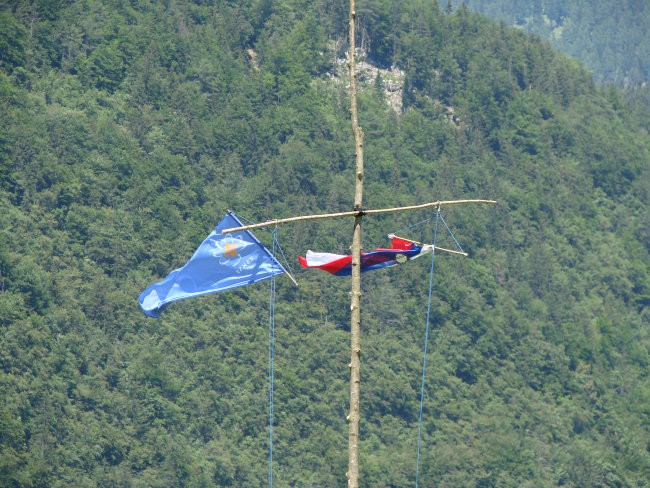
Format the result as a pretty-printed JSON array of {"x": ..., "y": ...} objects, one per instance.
[{"x": 424, "y": 354}]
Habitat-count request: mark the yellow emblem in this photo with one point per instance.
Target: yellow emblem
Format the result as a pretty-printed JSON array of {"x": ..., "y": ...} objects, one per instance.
[{"x": 230, "y": 250}]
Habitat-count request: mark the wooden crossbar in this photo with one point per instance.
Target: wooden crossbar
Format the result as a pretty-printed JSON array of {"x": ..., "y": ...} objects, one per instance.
[{"x": 353, "y": 213}]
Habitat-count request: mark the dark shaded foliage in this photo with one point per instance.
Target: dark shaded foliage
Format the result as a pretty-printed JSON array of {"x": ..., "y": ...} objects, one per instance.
[{"x": 129, "y": 129}]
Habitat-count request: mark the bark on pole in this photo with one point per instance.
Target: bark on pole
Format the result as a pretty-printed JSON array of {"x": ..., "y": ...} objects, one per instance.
[{"x": 355, "y": 295}]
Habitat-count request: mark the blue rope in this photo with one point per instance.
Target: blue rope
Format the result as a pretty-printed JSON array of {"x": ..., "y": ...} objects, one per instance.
[
  {"x": 276, "y": 244},
  {"x": 271, "y": 364},
  {"x": 411, "y": 226},
  {"x": 428, "y": 220},
  {"x": 426, "y": 342},
  {"x": 271, "y": 373},
  {"x": 451, "y": 234},
  {"x": 244, "y": 219}
]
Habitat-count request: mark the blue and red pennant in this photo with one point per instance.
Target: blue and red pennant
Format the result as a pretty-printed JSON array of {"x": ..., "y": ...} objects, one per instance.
[{"x": 401, "y": 250}]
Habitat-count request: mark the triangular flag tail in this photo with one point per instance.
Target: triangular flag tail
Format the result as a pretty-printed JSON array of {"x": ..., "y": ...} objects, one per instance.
[{"x": 222, "y": 262}]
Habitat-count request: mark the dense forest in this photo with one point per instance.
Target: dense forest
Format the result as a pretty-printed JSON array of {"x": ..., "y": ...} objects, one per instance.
[
  {"x": 610, "y": 38},
  {"x": 130, "y": 126}
]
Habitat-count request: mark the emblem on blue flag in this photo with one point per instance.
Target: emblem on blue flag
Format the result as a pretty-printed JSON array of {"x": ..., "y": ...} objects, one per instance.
[{"x": 222, "y": 262}]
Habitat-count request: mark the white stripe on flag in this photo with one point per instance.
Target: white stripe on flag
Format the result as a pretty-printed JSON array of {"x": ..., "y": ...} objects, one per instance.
[{"x": 319, "y": 258}]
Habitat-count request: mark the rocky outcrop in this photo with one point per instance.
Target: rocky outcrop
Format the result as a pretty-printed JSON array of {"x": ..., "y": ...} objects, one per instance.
[{"x": 391, "y": 80}]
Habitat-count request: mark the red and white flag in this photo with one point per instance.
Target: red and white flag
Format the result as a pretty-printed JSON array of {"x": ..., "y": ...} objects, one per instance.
[{"x": 401, "y": 250}]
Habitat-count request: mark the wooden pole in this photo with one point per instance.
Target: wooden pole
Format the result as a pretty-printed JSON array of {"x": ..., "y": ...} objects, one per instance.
[
  {"x": 355, "y": 294},
  {"x": 353, "y": 213}
]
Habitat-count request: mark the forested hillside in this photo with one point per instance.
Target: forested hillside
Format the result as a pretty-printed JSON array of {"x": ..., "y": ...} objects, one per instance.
[
  {"x": 610, "y": 38},
  {"x": 128, "y": 129}
]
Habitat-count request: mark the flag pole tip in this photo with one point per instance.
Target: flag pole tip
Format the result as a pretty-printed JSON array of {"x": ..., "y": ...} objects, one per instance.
[{"x": 291, "y": 277}]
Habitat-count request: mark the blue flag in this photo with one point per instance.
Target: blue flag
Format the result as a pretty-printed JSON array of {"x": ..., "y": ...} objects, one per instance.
[{"x": 222, "y": 262}]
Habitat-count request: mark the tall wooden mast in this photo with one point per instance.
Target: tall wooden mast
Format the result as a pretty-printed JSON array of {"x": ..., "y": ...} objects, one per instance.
[{"x": 355, "y": 294}]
